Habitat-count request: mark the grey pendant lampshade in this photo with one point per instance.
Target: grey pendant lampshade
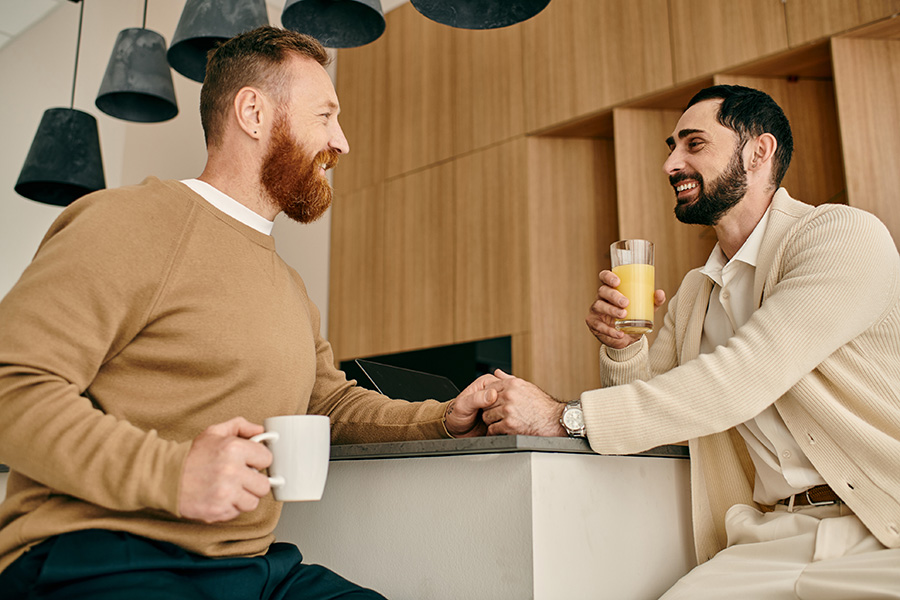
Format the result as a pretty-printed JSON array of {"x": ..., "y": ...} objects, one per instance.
[
  {"x": 479, "y": 14},
  {"x": 64, "y": 162},
  {"x": 137, "y": 85},
  {"x": 336, "y": 23},
  {"x": 205, "y": 23}
]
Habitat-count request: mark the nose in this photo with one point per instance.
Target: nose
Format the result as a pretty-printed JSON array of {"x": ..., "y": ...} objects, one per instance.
[
  {"x": 673, "y": 163},
  {"x": 338, "y": 140}
]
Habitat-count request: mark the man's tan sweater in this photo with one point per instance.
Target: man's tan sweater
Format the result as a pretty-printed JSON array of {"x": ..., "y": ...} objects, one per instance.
[
  {"x": 146, "y": 316},
  {"x": 823, "y": 347}
]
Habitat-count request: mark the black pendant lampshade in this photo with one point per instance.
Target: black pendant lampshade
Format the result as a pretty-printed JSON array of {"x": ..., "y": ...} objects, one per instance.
[
  {"x": 479, "y": 14},
  {"x": 64, "y": 162},
  {"x": 336, "y": 23},
  {"x": 137, "y": 85},
  {"x": 205, "y": 23}
]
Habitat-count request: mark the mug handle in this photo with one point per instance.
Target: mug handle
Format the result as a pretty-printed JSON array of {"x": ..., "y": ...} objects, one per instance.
[{"x": 262, "y": 437}]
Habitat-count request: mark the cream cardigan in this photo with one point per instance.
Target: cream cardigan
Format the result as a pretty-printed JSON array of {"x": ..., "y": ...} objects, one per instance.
[{"x": 824, "y": 347}]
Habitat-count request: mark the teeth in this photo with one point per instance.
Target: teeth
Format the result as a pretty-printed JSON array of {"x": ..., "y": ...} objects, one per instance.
[{"x": 685, "y": 186}]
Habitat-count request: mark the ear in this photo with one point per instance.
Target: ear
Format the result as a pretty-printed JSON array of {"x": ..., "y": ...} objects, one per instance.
[
  {"x": 762, "y": 149},
  {"x": 249, "y": 111}
]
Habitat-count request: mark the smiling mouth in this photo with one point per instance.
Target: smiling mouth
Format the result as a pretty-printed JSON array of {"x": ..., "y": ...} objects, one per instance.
[{"x": 684, "y": 190}]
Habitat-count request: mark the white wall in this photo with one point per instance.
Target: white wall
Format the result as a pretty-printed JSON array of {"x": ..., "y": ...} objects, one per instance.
[{"x": 36, "y": 74}]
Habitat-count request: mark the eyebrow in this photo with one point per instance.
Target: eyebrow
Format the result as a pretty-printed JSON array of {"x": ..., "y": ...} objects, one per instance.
[{"x": 681, "y": 135}]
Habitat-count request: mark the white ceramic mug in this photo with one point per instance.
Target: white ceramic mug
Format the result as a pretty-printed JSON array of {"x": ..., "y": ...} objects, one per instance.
[{"x": 301, "y": 448}]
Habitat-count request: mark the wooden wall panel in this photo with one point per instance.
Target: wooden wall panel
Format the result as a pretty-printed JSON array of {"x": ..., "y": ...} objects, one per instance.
[
  {"x": 419, "y": 260},
  {"x": 361, "y": 83},
  {"x": 809, "y": 20},
  {"x": 488, "y": 92},
  {"x": 585, "y": 55},
  {"x": 867, "y": 86},
  {"x": 816, "y": 174},
  {"x": 491, "y": 242},
  {"x": 420, "y": 98},
  {"x": 450, "y": 91},
  {"x": 572, "y": 222},
  {"x": 711, "y": 35},
  {"x": 646, "y": 200},
  {"x": 356, "y": 298}
]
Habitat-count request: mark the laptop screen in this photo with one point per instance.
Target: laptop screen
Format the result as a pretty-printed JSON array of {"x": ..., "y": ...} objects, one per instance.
[{"x": 404, "y": 384}]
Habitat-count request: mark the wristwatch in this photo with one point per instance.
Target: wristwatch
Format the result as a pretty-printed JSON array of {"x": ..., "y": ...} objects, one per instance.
[{"x": 572, "y": 419}]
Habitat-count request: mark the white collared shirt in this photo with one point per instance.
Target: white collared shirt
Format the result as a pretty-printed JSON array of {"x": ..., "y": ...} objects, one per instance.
[
  {"x": 782, "y": 469},
  {"x": 230, "y": 206}
]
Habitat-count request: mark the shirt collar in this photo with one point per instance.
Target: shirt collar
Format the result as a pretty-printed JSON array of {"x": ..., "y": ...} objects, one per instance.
[
  {"x": 230, "y": 206},
  {"x": 748, "y": 253}
]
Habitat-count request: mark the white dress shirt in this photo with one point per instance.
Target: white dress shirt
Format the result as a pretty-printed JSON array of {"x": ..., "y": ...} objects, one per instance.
[
  {"x": 230, "y": 206},
  {"x": 782, "y": 469}
]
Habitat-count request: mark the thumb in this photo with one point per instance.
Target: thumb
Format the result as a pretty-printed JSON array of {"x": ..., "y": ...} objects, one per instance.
[{"x": 501, "y": 375}]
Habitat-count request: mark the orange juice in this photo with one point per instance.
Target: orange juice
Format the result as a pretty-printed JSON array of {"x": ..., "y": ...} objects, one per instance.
[{"x": 637, "y": 284}]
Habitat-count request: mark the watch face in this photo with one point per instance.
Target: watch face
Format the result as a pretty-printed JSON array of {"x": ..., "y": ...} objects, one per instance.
[{"x": 573, "y": 419}]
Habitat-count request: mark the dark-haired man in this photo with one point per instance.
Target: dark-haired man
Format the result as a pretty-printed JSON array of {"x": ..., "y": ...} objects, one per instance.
[
  {"x": 779, "y": 360},
  {"x": 154, "y": 331}
]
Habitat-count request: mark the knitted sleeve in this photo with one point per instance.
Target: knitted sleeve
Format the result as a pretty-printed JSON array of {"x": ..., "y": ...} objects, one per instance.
[{"x": 87, "y": 293}]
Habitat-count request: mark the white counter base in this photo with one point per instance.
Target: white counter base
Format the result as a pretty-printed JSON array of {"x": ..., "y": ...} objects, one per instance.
[{"x": 547, "y": 526}]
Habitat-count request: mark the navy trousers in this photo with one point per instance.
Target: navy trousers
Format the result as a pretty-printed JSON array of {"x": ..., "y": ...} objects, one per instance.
[{"x": 107, "y": 565}]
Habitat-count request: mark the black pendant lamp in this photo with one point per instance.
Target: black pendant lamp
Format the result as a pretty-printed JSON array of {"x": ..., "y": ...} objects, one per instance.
[
  {"x": 137, "y": 85},
  {"x": 479, "y": 14},
  {"x": 205, "y": 23},
  {"x": 336, "y": 23},
  {"x": 64, "y": 161}
]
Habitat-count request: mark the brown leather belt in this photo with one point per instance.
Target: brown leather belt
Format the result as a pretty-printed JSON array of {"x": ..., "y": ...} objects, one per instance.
[{"x": 819, "y": 495}]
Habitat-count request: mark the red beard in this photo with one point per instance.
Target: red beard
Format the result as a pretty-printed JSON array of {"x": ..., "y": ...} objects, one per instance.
[{"x": 294, "y": 181}]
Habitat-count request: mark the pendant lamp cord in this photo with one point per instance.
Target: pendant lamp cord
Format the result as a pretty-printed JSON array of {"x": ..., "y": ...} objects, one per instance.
[
  {"x": 77, "y": 51},
  {"x": 144, "y": 25}
]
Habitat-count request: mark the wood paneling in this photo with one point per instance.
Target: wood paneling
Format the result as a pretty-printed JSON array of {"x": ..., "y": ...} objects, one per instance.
[
  {"x": 362, "y": 87},
  {"x": 816, "y": 174},
  {"x": 490, "y": 292},
  {"x": 711, "y": 35},
  {"x": 488, "y": 92},
  {"x": 646, "y": 200},
  {"x": 450, "y": 91},
  {"x": 867, "y": 86},
  {"x": 572, "y": 221},
  {"x": 357, "y": 295},
  {"x": 808, "y": 20},
  {"x": 584, "y": 55},
  {"x": 419, "y": 260}
]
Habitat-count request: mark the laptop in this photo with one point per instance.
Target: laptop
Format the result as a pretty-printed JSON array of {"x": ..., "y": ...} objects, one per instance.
[{"x": 403, "y": 384}]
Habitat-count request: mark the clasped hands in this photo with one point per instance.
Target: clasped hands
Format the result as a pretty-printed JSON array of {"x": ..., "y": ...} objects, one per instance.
[{"x": 509, "y": 405}]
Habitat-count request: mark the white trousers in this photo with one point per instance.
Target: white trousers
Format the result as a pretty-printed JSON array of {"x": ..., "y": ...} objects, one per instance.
[{"x": 812, "y": 553}]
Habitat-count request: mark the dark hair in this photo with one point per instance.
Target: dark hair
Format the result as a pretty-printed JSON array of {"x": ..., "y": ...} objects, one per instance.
[
  {"x": 251, "y": 58},
  {"x": 750, "y": 113}
]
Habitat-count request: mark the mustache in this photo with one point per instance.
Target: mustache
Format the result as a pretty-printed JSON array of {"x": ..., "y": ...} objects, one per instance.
[
  {"x": 682, "y": 176},
  {"x": 327, "y": 159}
]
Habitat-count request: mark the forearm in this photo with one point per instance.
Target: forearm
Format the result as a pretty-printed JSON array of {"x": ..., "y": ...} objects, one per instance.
[{"x": 57, "y": 438}]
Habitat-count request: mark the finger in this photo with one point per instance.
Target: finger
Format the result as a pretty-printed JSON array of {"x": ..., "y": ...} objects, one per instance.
[
  {"x": 501, "y": 375},
  {"x": 238, "y": 426},
  {"x": 609, "y": 278},
  {"x": 256, "y": 483},
  {"x": 486, "y": 398},
  {"x": 246, "y": 502},
  {"x": 255, "y": 454},
  {"x": 659, "y": 298}
]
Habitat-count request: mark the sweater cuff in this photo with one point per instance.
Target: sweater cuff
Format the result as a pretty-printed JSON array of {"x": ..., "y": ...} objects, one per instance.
[{"x": 626, "y": 353}]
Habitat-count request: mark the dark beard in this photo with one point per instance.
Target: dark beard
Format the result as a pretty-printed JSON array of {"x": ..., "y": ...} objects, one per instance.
[
  {"x": 292, "y": 179},
  {"x": 724, "y": 192}
]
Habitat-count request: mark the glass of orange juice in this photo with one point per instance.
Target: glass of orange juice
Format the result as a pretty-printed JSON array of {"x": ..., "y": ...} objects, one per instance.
[{"x": 633, "y": 263}]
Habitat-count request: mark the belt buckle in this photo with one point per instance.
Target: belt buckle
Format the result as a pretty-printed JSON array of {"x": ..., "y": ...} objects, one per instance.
[{"x": 822, "y": 503}]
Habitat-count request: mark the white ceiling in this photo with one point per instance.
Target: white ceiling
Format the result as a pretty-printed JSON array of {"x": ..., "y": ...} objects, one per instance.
[{"x": 18, "y": 15}]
